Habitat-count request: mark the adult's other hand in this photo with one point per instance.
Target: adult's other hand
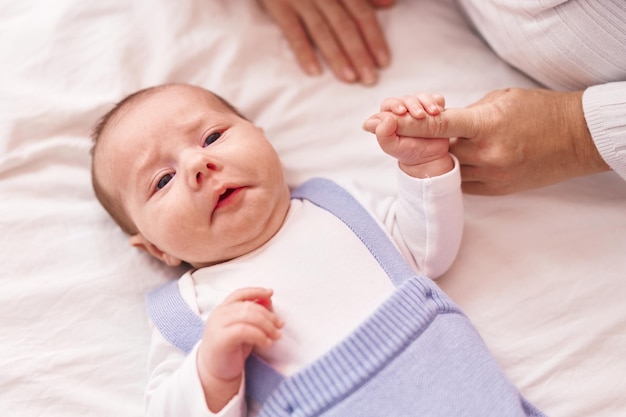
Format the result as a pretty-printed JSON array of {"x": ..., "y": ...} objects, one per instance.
[{"x": 345, "y": 32}]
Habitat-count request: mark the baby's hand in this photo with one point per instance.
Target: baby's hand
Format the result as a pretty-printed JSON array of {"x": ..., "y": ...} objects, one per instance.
[
  {"x": 245, "y": 319},
  {"x": 418, "y": 156}
]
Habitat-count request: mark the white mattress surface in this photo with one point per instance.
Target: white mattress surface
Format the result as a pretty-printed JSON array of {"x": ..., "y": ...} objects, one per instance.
[{"x": 542, "y": 273}]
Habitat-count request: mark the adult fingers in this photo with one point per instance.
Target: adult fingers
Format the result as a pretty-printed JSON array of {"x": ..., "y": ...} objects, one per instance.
[
  {"x": 346, "y": 52},
  {"x": 360, "y": 42},
  {"x": 346, "y": 33},
  {"x": 485, "y": 187},
  {"x": 370, "y": 29},
  {"x": 474, "y": 187},
  {"x": 321, "y": 21},
  {"x": 286, "y": 17},
  {"x": 382, "y": 3},
  {"x": 483, "y": 179}
]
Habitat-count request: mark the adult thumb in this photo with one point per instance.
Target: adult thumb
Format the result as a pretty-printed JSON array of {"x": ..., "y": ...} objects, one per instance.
[{"x": 451, "y": 123}]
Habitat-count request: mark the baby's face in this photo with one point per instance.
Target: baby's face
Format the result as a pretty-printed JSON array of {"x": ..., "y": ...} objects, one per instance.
[{"x": 201, "y": 184}]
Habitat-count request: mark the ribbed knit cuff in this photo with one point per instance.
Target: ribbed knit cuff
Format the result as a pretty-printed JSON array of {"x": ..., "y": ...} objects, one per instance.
[{"x": 605, "y": 111}]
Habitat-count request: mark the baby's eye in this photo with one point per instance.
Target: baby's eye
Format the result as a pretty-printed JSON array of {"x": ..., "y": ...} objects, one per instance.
[
  {"x": 164, "y": 180},
  {"x": 212, "y": 138}
]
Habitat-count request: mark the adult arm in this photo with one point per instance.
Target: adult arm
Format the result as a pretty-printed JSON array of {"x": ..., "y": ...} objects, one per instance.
[
  {"x": 345, "y": 32},
  {"x": 521, "y": 139}
]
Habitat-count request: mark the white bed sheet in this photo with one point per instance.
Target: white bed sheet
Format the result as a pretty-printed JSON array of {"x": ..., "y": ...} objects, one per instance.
[{"x": 541, "y": 273}]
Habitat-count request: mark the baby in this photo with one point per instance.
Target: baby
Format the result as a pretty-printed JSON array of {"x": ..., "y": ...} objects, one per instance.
[{"x": 193, "y": 181}]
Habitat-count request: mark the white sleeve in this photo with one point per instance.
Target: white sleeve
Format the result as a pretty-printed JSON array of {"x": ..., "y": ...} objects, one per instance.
[
  {"x": 605, "y": 112},
  {"x": 425, "y": 219},
  {"x": 174, "y": 387},
  {"x": 428, "y": 220}
]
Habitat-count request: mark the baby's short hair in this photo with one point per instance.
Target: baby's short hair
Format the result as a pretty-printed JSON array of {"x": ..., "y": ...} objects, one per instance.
[{"x": 111, "y": 202}]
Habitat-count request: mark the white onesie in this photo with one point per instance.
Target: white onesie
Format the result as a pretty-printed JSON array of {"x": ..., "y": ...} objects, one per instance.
[{"x": 325, "y": 283}]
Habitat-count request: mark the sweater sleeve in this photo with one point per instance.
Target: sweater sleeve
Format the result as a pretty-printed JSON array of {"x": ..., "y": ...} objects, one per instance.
[
  {"x": 562, "y": 44},
  {"x": 605, "y": 111},
  {"x": 567, "y": 45}
]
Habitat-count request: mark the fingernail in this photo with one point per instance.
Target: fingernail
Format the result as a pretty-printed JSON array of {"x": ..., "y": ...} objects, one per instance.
[
  {"x": 313, "y": 69},
  {"x": 383, "y": 58},
  {"x": 348, "y": 74},
  {"x": 368, "y": 76}
]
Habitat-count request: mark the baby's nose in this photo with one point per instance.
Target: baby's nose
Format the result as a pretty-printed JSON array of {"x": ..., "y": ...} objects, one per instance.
[{"x": 198, "y": 168}]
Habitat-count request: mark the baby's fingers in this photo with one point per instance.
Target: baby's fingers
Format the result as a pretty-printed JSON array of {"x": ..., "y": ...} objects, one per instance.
[
  {"x": 383, "y": 125},
  {"x": 249, "y": 334},
  {"x": 241, "y": 322},
  {"x": 432, "y": 103},
  {"x": 422, "y": 103},
  {"x": 262, "y": 296},
  {"x": 394, "y": 105}
]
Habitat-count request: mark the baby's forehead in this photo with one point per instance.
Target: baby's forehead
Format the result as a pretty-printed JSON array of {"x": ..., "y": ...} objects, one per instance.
[
  {"x": 181, "y": 95},
  {"x": 156, "y": 111},
  {"x": 167, "y": 105}
]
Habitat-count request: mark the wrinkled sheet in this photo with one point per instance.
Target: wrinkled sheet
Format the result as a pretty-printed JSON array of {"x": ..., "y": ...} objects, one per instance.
[{"x": 541, "y": 273}]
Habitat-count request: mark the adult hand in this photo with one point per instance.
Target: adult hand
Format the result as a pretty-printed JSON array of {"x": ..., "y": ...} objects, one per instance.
[
  {"x": 516, "y": 139},
  {"x": 346, "y": 33}
]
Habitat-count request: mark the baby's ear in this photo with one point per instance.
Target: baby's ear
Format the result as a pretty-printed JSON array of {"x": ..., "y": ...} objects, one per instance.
[{"x": 139, "y": 241}]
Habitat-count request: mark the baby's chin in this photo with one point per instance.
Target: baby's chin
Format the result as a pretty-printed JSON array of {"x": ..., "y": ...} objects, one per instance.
[{"x": 203, "y": 263}]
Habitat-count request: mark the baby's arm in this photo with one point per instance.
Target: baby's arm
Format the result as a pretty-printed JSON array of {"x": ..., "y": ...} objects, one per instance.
[
  {"x": 418, "y": 157},
  {"x": 243, "y": 320},
  {"x": 427, "y": 218}
]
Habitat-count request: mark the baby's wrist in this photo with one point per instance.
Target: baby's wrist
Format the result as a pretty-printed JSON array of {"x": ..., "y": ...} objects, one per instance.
[
  {"x": 217, "y": 391},
  {"x": 430, "y": 168}
]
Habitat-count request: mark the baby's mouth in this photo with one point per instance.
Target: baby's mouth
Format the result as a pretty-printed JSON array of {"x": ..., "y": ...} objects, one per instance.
[
  {"x": 224, "y": 197},
  {"x": 225, "y": 194},
  {"x": 227, "y": 197}
]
